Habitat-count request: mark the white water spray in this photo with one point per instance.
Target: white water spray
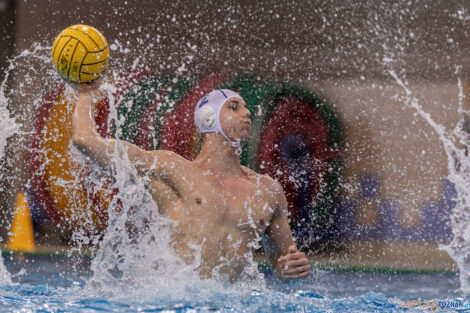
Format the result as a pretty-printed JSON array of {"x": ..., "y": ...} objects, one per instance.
[
  {"x": 135, "y": 258},
  {"x": 459, "y": 174},
  {"x": 9, "y": 128},
  {"x": 19, "y": 100}
]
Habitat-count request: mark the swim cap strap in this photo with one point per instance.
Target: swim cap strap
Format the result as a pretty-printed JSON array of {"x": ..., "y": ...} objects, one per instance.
[
  {"x": 238, "y": 150},
  {"x": 237, "y": 146}
]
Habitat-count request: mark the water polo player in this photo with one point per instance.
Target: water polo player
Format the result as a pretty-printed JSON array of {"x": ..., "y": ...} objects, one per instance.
[{"x": 219, "y": 205}]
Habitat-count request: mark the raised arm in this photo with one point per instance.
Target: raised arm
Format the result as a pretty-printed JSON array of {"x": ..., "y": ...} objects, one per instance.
[
  {"x": 281, "y": 251},
  {"x": 88, "y": 141}
]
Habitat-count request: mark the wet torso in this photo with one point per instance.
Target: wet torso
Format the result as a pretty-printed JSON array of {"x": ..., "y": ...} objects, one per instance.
[{"x": 224, "y": 216}]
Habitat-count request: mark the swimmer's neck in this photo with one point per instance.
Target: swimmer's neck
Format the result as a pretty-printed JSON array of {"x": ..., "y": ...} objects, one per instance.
[{"x": 218, "y": 156}]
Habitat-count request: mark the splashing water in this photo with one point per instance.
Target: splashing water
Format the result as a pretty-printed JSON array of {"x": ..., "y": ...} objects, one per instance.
[
  {"x": 459, "y": 169},
  {"x": 134, "y": 259},
  {"x": 135, "y": 262},
  {"x": 9, "y": 128},
  {"x": 136, "y": 249}
]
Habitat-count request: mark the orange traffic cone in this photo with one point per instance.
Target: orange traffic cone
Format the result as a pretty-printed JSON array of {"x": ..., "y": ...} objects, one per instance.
[{"x": 21, "y": 236}]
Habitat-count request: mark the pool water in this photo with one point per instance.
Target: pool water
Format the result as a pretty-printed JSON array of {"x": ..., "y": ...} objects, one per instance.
[{"x": 58, "y": 284}]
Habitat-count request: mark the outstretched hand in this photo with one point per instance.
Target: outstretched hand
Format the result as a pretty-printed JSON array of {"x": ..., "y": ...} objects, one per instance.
[
  {"x": 294, "y": 264},
  {"x": 88, "y": 87}
]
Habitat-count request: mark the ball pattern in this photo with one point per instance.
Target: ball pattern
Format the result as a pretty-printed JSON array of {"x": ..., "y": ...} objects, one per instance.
[{"x": 80, "y": 53}]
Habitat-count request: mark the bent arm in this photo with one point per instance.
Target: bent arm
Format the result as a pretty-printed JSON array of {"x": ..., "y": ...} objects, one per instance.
[
  {"x": 277, "y": 240},
  {"x": 281, "y": 251}
]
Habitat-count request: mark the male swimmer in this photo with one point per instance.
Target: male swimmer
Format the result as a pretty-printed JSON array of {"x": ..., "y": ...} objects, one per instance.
[{"x": 218, "y": 204}]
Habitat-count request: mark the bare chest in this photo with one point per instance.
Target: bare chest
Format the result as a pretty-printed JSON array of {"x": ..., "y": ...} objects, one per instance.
[
  {"x": 240, "y": 203},
  {"x": 220, "y": 204}
]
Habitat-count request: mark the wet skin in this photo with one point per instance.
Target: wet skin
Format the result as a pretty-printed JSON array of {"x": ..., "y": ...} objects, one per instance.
[{"x": 218, "y": 204}]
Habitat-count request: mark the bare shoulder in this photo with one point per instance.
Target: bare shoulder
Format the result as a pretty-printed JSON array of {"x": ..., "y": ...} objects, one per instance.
[
  {"x": 167, "y": 162},
  {"x": 168, "y": 156},
  {"x": 272, "y": 186}
]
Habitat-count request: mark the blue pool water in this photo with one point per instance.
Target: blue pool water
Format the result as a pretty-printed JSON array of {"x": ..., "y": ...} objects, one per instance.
[{"x": 58, "y": 284}]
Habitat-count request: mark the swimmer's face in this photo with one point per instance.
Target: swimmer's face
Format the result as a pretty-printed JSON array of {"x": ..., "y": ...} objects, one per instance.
[{"x": 235, "y": 119}]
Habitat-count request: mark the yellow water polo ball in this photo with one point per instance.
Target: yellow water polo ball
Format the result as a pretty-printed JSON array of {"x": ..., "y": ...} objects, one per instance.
[{"x": 80, "y": 53}]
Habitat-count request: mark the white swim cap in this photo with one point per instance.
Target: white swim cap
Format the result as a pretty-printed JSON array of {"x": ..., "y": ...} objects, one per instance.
[{"x": 207, "y": 114}]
